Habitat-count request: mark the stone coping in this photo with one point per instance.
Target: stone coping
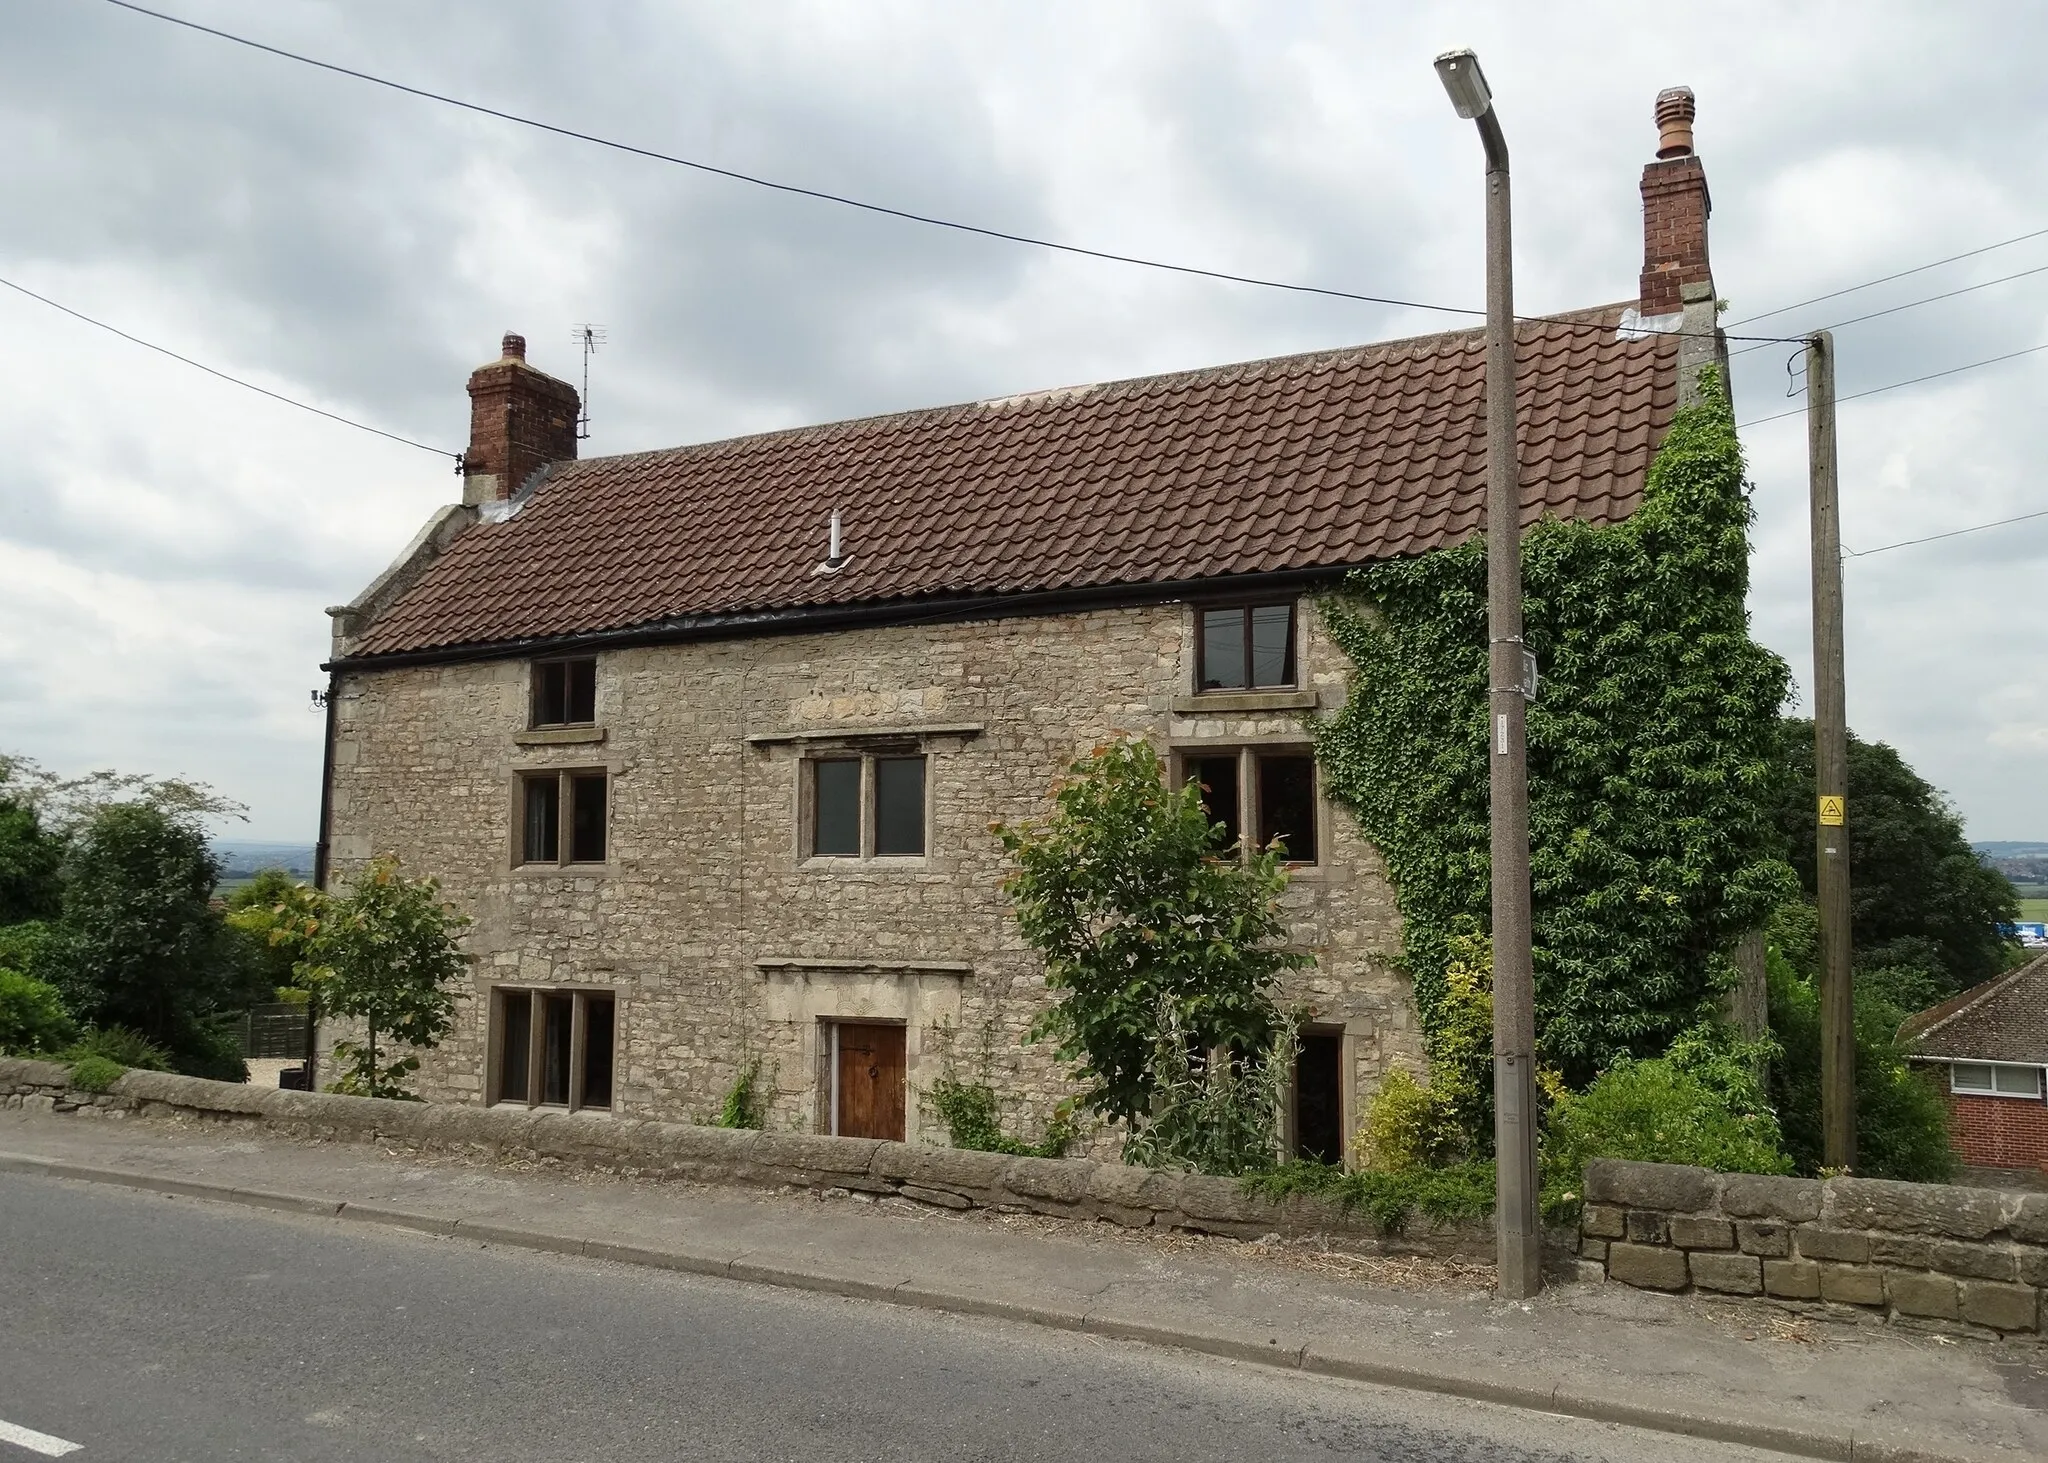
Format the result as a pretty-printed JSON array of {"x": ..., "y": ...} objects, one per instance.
[
  {"x": 950, "y": 1178},
  {"x": 1937, "y": 1254}
]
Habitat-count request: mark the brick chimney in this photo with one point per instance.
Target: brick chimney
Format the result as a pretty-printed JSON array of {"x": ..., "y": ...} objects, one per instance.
[
  {"x": 520, "y": 420},
  {"x": 1675, "y": 209}
]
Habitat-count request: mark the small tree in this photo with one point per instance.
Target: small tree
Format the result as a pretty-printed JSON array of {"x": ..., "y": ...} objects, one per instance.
[
  {"x": 138, "y": 943},
  {"x": 385, "y": 954},
  {"x": 1154, "y": 935}
]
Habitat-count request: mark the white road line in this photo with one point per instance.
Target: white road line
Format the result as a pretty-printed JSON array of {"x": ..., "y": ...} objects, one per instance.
[{"x": 35, "y": 1442}]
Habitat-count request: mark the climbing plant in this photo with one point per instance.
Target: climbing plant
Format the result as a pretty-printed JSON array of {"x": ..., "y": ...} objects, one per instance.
[{"x": 1649, "y": 753}]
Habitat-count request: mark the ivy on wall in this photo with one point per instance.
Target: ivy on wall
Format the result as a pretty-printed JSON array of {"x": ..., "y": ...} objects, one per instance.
[{"x": 1649, "y": 752}]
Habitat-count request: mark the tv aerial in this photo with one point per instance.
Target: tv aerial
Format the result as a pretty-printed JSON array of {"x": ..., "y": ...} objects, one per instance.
[{"x": 590, "y": 337}]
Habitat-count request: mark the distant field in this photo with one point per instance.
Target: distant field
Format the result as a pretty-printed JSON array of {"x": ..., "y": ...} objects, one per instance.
[{"x": 2034, "y": 909}]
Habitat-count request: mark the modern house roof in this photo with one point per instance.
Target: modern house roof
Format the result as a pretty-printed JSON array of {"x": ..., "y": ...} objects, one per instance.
[
  {"x": 2004, "y": 1019},
  {"x": 1301, "y": 463}
]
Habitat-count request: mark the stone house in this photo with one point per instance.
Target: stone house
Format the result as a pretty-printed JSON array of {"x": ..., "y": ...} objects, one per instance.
[
  {"x": 709, "y": 740},
  {"x": 1986, "y": 1050}
]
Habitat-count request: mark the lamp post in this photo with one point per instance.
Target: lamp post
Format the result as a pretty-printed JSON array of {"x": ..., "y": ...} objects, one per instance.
[{"x": 1517, "y": 1235}]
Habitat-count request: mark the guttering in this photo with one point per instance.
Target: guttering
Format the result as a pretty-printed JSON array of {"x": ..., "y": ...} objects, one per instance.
[{"x": 800, "y": 620}]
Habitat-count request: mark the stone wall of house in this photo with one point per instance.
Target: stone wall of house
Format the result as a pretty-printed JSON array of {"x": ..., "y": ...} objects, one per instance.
[
  {"x": 724, "y": 944},
  {"x": 1934, "y": 1253}
]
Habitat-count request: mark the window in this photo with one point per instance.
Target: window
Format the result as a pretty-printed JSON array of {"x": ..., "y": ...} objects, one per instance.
[
  {"x": 867, "y": 806},
  {"x": 1319, "y": 1095},
  {"x": 564, "y": 692},
  {"x": 1271, "y": 791},
  {"x": 1995, "y": 1079},
  {"x": 551, "y": 801},
  {"x": 1244, "y": 647},
  {"x": 552, "y": 1048}
]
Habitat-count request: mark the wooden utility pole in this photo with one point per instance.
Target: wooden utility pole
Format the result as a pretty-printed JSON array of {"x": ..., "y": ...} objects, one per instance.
[{"x": 1830, "y": 768}]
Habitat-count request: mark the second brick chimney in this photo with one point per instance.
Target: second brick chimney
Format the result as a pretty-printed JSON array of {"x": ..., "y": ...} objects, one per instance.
[
  {"x": 520, "y": 420},
  {"x": 1675, "y": 209}
]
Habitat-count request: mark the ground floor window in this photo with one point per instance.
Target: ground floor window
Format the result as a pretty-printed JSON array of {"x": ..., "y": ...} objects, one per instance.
[
  {"x": 1319, "y": 1095},
  {"x": 861, "y": 1078},
  {"x": 552, "y": 1048}
]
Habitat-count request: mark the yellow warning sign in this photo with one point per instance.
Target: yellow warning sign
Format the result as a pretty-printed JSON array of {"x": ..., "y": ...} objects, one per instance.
[{"x": 1831, "y": 811}]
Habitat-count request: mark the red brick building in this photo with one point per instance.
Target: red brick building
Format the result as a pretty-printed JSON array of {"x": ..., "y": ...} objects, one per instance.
[{"x": 1988, "y": 1049}]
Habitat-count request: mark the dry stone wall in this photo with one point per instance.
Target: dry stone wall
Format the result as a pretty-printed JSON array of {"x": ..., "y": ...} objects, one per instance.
[
  {"x": 947, "y": 1178},
  {"x": 725, "y": 944},
  {"x": 1934, "y": 1253}
]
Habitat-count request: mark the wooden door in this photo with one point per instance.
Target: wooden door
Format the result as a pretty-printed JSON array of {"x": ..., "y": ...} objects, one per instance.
[{"x": 871, "y": 1073}]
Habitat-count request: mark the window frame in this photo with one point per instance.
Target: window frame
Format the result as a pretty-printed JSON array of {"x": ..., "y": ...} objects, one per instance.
[
  {"x": 1246, "y": 608},
  {"x": 867, "y": 841},
  {"x": 1249, "y": 810},
  {"x": 498, "y": 1001},
  {"x": 566, "y": 803},
  {"x": 536, "y": 670},
  {"x": 1992, "y": 1071}
]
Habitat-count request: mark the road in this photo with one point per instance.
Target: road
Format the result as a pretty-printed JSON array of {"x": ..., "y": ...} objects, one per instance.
[{"x": 177, "y": 1331}]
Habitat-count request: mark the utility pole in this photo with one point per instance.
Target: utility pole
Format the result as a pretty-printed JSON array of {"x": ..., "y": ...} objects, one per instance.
[
  {"x": 1518, "y": 1236},
  {"x": 1830, "y": 768}
]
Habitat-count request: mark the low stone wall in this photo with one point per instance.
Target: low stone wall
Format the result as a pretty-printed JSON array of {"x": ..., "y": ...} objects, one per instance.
[
  {"x": 1930, "y": 1252},
  {"x": 949, "y": 1178}
]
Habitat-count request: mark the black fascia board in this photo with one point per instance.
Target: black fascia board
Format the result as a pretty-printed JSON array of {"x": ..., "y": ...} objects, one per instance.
[{"x": 743, "y": 624}]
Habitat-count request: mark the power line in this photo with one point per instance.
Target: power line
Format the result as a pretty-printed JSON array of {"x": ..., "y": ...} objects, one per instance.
[
  {"x": 1910, "y": 304},
  {"x": 845, "y": 201},
  {"x": 1896, "y": 385},
  {"x": 1888, "y": 278},
  {"x": 1907, "y": 543},
  {"x": 223, "y": 375}
]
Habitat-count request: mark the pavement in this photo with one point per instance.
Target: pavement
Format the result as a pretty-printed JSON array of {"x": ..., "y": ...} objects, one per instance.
[{"x": 1735, "y": 1372}]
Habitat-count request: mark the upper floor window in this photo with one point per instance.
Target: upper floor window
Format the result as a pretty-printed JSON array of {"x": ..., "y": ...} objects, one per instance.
[
  {"x": 1995, "y": 1079},
  {"x": 1270, "y": 790},
  {"x": 867, "y": 805},
  {"x": 563, "y": 817},
  {"x": 565, "y": 692},
  {"x": 1244, "y": 647}
]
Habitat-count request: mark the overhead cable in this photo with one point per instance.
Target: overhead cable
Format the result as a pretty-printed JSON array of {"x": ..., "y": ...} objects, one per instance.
[
  {"x": 1896, "y": 385},
  {"x": 318, "y": 411},
  {"x": 844, "y": 200},
  {"x": 1888, "y": 278},
  {"x": 1907, "y": 543}
]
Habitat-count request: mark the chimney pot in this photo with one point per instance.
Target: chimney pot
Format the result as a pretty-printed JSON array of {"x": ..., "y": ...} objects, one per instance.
[
  {"x": 515, "y": 345},
  {"x": 1674, "y": 122}
]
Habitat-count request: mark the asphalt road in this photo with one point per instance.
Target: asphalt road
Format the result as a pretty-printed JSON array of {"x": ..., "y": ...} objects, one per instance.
[{"x": 176, "y": 1331}]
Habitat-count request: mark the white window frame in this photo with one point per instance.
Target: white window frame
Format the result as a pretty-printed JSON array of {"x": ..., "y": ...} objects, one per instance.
[{"x": 1993, "y": 1071}]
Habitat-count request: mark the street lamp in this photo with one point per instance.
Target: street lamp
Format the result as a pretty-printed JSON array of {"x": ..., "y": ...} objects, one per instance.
[{"x": 1519, "y": 1240}]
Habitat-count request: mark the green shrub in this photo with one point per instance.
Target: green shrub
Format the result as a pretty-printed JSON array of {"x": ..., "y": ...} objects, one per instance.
[
  {"x": 1450, "y": 1121},
  {"x": 120, "y": 1045},
  {"x": 1665, "y": 1110},
  {"x": 1456, "y": 1191},
  {"x": 745, "y": 1106},
  {"x": 22, "y": 945},
  {"x": 95, "y": 1074},
  {"x": 970, "y": 1111},
  {"x": 213, "y": 1052},
  {"x": 1901, "y": 1121},
  {"x": 32, "y": 1016}
]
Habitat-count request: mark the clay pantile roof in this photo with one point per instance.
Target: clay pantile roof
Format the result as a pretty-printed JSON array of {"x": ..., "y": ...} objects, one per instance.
[
  {"x": 1309, "y": 462},
  {"x": 2005, "y": 1019}
]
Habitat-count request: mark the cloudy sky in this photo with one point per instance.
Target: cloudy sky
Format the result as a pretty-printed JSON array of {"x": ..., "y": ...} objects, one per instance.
[{"x": 168, "y": 541}]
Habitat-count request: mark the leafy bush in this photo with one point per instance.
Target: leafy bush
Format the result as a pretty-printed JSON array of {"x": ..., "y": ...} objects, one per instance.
[
  {"x": 213, "y": 1052},
  {"x": 95, "y": 1074},
  {"x": 32, "y": 1016},
  {"x": 1450, "y": 1121},
  {"x": 120, "y": 1045},
  {"x": 745, "y": 1106},
  {"x": 1901, "y": 1121},
  {"x": 1153, "y": 944},
  {"x": 1215, "y": 1113},
  {"x": 1700, "y": 1104},
  {"x": 970, "y": 1111},
  {"x": 1456, "y": 1191},
  {"x": 22, "y": 946}
]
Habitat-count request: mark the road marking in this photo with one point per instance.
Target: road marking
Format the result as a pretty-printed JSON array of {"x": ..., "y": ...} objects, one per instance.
[{"x": 35, "y": 1442}]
